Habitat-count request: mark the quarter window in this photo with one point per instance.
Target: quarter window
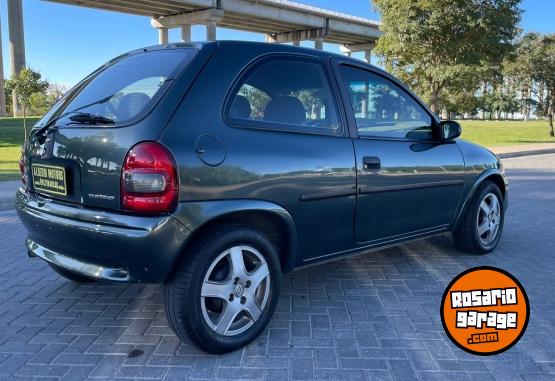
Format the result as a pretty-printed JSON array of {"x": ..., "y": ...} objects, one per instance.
[
  {"x": 383, "y": 109},
  {"x": 285, "y": 94}
]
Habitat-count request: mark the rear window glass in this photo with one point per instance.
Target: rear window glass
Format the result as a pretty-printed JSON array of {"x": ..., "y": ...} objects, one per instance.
[{"x": 125, "y": 89}]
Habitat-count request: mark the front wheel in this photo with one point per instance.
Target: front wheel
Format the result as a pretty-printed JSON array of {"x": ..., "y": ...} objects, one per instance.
[
  {"x": 480, "y": 229},
  {"x": 224, "y": 292}
]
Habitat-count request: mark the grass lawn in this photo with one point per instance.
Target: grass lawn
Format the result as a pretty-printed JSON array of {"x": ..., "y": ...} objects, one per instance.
[
  {"x": 484, "y": 132},
  {"x": 11, "y": 138},
  {"x": 504, "y": 133}
]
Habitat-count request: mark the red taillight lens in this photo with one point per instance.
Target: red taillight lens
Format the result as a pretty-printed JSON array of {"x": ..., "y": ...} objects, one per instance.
[
  {"x": 149, "y": 179},
  {"x": 22, "y": 167}
]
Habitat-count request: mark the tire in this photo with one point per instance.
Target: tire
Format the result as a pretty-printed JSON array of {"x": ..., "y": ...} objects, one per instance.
[
  {"x": 212, "y": 265},
  {"x": 72, "y": 276},
  {"x": 467, "y": 236}
]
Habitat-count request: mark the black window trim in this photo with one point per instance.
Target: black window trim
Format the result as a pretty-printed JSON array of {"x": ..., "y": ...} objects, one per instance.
[
  {"x": 353, "y": 129},
  {"x": 282, "y": 127}
]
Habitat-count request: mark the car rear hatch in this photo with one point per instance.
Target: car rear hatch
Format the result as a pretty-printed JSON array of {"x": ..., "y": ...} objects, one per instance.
[{"x": 76, "y": 152}]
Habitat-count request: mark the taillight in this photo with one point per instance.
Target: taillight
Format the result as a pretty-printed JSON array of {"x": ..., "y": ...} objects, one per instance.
[
  {"x": 149, "y": 179},
  {"x": 22, "y": 165}
]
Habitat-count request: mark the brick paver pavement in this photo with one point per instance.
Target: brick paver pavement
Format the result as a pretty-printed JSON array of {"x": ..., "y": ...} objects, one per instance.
[{"x": 373, "y": 316}]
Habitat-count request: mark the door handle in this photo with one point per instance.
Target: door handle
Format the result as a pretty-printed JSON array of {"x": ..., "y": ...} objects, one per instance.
[{"x": 371, "y": 163}]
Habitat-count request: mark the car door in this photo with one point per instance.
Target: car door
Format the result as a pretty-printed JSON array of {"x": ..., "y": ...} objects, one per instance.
[{"x": 408, "y": 182}]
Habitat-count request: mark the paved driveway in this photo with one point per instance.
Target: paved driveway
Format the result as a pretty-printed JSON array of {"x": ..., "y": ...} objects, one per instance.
[{"x": 374, "y": 316}]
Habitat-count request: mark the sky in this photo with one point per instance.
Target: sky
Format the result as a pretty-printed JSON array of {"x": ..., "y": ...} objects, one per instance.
[{"x": 65, "y": 43}]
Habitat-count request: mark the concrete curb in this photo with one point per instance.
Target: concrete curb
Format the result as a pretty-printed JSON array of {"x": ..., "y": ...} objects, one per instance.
[{"x": 510, "y": 155}]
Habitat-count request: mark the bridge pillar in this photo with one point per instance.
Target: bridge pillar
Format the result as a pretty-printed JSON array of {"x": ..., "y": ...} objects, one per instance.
[
  {"x": 368, "y": 56},
  {"x": 162, "y": 36},
  {"x": 366, "y": 48},
  {"x": 209, "y": 17},
  {"x": 211, "y": 31},
  {"x": 17, "y": 43},
  {"x": 319, "y": 44},
  {"x": 296, "y": 36},
  {"x": 2, "y": 92},
  {"x": 186, "y": 33}
]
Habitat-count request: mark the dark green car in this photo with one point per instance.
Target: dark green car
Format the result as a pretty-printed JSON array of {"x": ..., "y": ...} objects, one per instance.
[{"x": 216, "y": 167}]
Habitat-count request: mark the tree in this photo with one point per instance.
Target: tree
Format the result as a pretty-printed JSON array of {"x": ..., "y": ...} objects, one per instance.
[
  {"x": 533, "y": 70},
  {"x": 56, "y": 91},
  {"x": 25, "y": 84},
  {"x": 522, "y": 67},
  {"x": 441, "y": 47},
  {"x": 40, "y": 103},
  {"x": 544, "y": 77}
]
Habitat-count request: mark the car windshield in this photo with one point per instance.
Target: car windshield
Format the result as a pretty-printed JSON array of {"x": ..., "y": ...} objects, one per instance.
[{"x": 126, "y": 88}]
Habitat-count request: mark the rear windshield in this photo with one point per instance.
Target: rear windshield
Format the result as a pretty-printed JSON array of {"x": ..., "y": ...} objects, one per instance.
[{"x": 125, "y": 89}]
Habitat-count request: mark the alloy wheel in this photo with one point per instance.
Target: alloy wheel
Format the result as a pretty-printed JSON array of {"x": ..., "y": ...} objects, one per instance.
[
  {"x": 235, "y": 290},
  {"x": 488, "y": 219}
]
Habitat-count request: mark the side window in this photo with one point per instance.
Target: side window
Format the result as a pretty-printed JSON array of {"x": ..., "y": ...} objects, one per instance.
[
  {"x": 285, "y": 94},
  {"x": 383, "y": 109}
]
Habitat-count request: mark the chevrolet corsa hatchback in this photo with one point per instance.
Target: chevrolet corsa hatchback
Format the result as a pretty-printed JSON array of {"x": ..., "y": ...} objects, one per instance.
[{"x": 214, "y": 168}]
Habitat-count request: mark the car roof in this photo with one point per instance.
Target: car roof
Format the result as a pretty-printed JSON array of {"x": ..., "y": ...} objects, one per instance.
[
  {"x": 269, "y": 47},
  {"x": 275, "y": 47}
]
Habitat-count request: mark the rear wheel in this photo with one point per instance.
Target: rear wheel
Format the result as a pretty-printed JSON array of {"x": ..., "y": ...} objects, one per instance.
[
  {"x": 72, "y": 276},
  {"x": 224, "y": 292},
  {"x": 480, "y": 228}
]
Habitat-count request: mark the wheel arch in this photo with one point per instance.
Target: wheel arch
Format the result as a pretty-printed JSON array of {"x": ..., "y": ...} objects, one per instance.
[
  {"x": 269, "y": 218},
  {"x": 493, "y": 175}
]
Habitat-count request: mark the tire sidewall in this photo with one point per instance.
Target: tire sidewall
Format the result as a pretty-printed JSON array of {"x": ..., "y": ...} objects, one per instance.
[
  {"x": 488, "y": 187},
  {"x": 205, "y": 334}
]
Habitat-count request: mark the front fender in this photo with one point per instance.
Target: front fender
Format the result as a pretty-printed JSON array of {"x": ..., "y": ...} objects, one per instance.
[
  {"x": 195, "y": 215},
  {"x": 492, "y": 173}
]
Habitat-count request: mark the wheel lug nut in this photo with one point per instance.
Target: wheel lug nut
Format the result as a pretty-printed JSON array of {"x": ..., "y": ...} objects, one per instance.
[
  {"x": 243, "y": 300},
  {"x": 231, "y": 297},
  {"x": 236, "y": 281},
  {"x": 248, "y": 284}
]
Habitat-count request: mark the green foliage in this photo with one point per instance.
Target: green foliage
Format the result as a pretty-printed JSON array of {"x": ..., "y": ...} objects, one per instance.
[
  {"x": 443, "y": 47},
  {"x": 39, "y": 103},
  {"x": 26, "y": 83},
  {"x": 533, "y": 72}
]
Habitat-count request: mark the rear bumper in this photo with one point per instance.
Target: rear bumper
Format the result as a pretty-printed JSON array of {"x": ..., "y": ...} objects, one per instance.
[
  {"x": 75, "y": 265},
  {"x": 102, "y": 244}
]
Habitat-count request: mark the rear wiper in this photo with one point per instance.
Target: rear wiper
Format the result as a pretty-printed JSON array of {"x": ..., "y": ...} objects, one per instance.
[
  {"x": 41, "y": 132},
  {"x": 86, "y": 118}
]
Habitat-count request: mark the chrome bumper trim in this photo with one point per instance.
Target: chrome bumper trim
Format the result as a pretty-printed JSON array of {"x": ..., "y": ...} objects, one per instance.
[{"x": 71, "y": 264}]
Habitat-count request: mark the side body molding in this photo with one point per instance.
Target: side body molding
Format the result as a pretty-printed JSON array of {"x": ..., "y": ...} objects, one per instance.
[{"x": 195, "y": 215}]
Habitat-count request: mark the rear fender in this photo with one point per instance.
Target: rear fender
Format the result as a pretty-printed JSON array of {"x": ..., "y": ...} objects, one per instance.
[{"x": 198, "y": 215}]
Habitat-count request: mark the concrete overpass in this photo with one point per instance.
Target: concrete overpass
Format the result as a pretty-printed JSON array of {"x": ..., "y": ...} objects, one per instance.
[{"x": 281, "y": 21}]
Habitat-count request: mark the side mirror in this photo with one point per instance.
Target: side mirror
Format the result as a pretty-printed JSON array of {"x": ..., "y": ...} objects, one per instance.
[{"x": 449, "y": 130}]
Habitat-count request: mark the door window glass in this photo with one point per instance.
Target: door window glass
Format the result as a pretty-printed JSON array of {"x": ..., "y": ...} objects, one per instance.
[
  {"x": 383, "y": 109},
  {"x": 285, "y": 94}
]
